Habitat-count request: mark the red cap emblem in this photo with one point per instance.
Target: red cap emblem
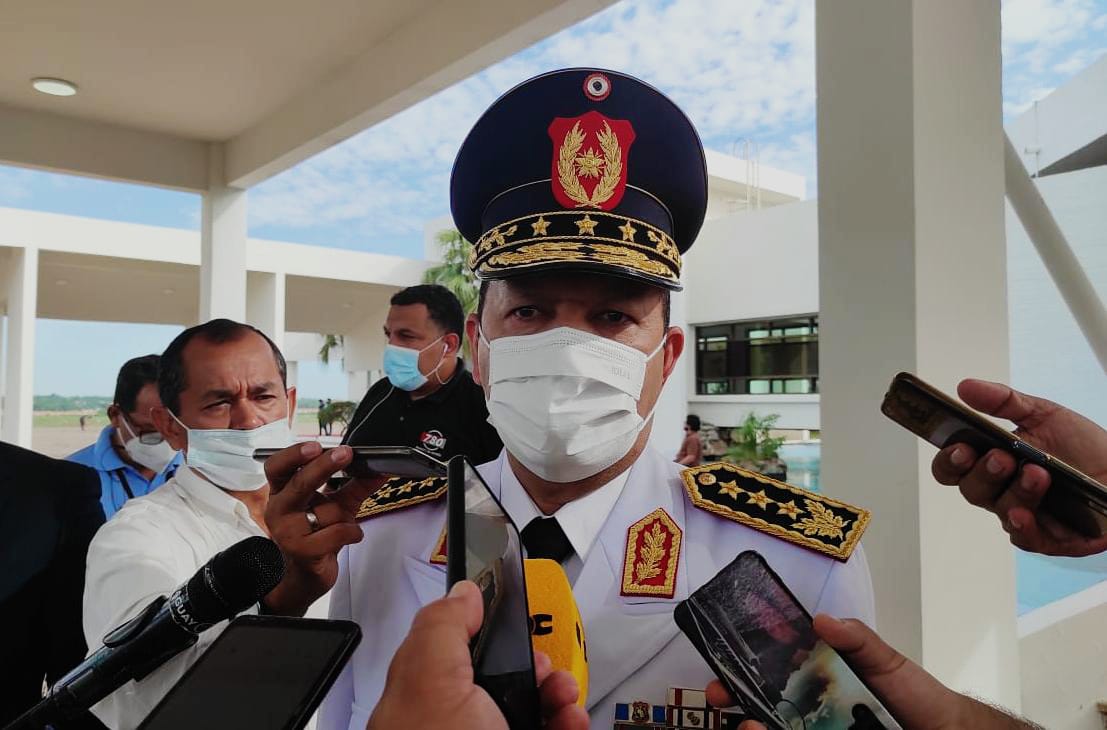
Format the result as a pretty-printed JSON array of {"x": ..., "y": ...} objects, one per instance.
[{"x": 590, "y": 160}]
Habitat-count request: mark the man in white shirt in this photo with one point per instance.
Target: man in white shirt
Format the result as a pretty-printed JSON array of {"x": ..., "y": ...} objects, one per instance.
[{"x": 224, "y": 393}]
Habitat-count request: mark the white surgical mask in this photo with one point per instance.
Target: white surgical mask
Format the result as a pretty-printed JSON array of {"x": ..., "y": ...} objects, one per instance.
[
  {"x": 226, "y": 455},
  {"x": 565, "y": 401},
  {"x": 154, "y": 456}
]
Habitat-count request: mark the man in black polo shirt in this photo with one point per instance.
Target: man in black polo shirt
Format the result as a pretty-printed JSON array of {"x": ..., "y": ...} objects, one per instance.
[{"x": 427, "y": 398}]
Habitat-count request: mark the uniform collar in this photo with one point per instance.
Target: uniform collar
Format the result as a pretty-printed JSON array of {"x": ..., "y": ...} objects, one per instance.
[
  {"x": 581, "y": 519},
  {"x": 211, "y": 497}
]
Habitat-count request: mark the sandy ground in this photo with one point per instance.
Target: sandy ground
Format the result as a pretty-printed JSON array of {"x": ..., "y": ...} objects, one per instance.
[{"x": 61, "y": 441}]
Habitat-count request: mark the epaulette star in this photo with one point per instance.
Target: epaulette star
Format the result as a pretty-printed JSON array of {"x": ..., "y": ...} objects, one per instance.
[{"x": 398, "y": 493}]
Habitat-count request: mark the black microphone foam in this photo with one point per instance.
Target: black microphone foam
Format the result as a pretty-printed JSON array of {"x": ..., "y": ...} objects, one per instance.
[
  {"x": 229, "y": 583},
  {"x": 225, "y": 586}
]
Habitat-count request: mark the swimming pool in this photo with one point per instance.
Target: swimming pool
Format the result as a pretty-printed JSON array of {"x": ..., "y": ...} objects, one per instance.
[{"x": 1039, "y": 580}]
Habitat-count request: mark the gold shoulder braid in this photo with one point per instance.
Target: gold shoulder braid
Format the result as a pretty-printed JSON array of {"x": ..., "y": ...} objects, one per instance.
[
  {"x": 801, "y": 517},
  {"x": 400, "y": 492}
]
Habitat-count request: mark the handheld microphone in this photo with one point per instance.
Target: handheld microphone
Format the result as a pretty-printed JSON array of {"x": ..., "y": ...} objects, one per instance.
[
  {"x": 555, "y": 625},
  {"x": 228, "y": 584}
]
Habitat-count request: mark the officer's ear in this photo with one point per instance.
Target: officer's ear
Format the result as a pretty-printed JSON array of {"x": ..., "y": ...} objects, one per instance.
[{"x": 472, "y": 331}]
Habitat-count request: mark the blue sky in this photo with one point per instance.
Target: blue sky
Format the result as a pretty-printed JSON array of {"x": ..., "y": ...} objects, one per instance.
[{"x": 749, "y": 76}]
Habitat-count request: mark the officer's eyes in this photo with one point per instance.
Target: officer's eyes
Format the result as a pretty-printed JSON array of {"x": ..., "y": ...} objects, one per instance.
[
  {"x": 614, "y": 317},
  {"x": 525, "y": 312}
]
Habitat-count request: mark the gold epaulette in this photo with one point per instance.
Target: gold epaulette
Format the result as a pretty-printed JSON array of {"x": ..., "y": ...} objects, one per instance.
[
  {"x": 400, "y": 492},
  {"x": 801, "y": 517}
]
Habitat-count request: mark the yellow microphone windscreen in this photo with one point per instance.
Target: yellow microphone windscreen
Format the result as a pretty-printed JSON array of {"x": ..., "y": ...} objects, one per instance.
[{"x": 555, "y": 625}]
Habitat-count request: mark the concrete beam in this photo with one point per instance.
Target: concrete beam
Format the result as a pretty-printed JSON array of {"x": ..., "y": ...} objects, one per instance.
[
  {"x": 222, "y": 246},
  {"x": 400, "y": 71},
  {"x": 63, "y": 144}
]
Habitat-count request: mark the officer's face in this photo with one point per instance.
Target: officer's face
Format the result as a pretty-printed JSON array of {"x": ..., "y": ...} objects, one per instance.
[
  {"x": 620, "y": 309},
  {"x": 232, "y": 384},
  {"x": 411, "y": 326}
]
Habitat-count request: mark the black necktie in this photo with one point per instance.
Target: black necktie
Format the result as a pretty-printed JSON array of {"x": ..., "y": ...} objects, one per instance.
[{"x": 544, "y": 538}]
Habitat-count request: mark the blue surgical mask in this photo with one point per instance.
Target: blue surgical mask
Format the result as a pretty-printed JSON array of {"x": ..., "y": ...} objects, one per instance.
[{"x": 401, "y": 365}]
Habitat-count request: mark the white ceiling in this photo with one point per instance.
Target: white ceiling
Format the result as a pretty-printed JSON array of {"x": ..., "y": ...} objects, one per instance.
[{"x": 204, "y": 69}]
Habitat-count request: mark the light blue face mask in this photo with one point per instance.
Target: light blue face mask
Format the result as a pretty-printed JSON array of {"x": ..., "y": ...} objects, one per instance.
[{"x": 401, "y": 365}]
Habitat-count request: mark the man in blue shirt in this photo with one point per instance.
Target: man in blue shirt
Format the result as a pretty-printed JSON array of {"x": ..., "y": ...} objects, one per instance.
[{"x": 130, "y": 455}]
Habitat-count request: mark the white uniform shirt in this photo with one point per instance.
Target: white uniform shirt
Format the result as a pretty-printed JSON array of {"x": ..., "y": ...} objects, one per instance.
[
  {"x": 148, "y": 549},
  {"x": 635, "y": 650}
]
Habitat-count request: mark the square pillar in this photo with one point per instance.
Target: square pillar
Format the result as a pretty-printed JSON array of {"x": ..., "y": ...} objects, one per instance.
[
  {"x": 222, "y": 245},
  {"x": 16, "y": 418},
  {"x": 265, "y": 304},
  {"x": 912, "y": 276}
]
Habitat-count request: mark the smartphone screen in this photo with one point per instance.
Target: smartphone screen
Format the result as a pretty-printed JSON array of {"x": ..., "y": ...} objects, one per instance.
[
  {"x": 484, "y": 547},
  {"x": 263, "y": 672},
  {"x": 762, "y": 645}
]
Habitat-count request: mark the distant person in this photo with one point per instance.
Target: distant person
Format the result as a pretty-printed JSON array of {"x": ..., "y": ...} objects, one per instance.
[
  {"x": 691, "y": 448},
  {"x": 322, "y": 416},
  {"x": 428, "y": 398},
  {"x": 132, "y": 458},
  {"x": 49, "y": 511},
  {"x": 329, "y": 415},
  {"x": 83, "y": 420}
]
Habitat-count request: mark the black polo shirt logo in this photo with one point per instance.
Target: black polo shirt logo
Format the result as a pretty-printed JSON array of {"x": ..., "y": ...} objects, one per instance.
[{"x": 433, "y": 441}]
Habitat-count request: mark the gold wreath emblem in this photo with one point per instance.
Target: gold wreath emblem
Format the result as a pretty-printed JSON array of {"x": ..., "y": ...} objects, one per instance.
[{"x": 612, "y": 167}]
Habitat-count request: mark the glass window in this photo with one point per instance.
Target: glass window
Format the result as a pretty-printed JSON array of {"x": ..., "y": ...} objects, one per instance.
[{"x": 779, "y": 356}]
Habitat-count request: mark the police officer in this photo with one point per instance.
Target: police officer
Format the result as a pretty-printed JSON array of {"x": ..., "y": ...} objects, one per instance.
[
  {"x": 427, "y": 397},
  {"x": 582, "y": 188},
  {"x": 132, "y": 458}
]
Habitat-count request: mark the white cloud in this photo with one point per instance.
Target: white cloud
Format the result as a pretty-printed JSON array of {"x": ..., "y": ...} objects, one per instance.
[
  {"x": 14, "y": 185},
  {"x": 740, "y": 70}
]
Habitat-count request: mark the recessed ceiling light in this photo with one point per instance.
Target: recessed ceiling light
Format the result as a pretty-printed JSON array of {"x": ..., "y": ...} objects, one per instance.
[
  {"x": 347, "y": 305},
  {"x": 54, "y": 87},
  {"x": 168, "y": 292},
  {"x": 62, "y": 282}
]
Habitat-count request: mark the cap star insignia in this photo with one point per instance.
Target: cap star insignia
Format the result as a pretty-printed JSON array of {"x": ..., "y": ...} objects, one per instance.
[
  {"x": 586, "y": 226},
  {"x": 821, "y": 523},
  {"x": 540, "y": 226},
  {"x": 398, "y": 493},
  {"x": 628, "y": 231}
]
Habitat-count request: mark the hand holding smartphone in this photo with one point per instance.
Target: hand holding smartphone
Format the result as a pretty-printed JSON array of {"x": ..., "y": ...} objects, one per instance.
[
  {"x": 1074, "y": 499},
  {"x": 761, "y": 644}
]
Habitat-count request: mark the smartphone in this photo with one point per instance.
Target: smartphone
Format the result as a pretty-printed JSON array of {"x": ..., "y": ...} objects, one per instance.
[
  {"x": 1074, "y": 499},
  {"x": 761, "y": 644},
  {"x": 262, "y": 673},
  {"x": 483, "y": 545},
  {"x": 370, "y": 461}
]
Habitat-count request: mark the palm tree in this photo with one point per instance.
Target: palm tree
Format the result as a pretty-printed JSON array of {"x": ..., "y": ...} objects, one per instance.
[
  {"x": 329, "y": 343},
  {"x": 454, "y": 273}
]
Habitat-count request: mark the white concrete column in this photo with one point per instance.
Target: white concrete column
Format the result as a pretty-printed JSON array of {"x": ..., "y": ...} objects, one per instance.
[
  {"x": 357, "y": 384},
  {"x": 913, "y": 277},
  {"x": 16, "y": 420},
  {"x": 222, "y": 245},
  {"x": 265, "y": 304}
]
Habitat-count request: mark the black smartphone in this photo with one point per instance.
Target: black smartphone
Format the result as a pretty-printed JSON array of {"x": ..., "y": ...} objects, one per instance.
[
  {"x": 761, "y": 644},
  {"x": 483, "y": 545},
  {"x": 1074, "y": 499},
  {"x": 397, "y": 461},
  {"x": 262, "y": 673}
]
